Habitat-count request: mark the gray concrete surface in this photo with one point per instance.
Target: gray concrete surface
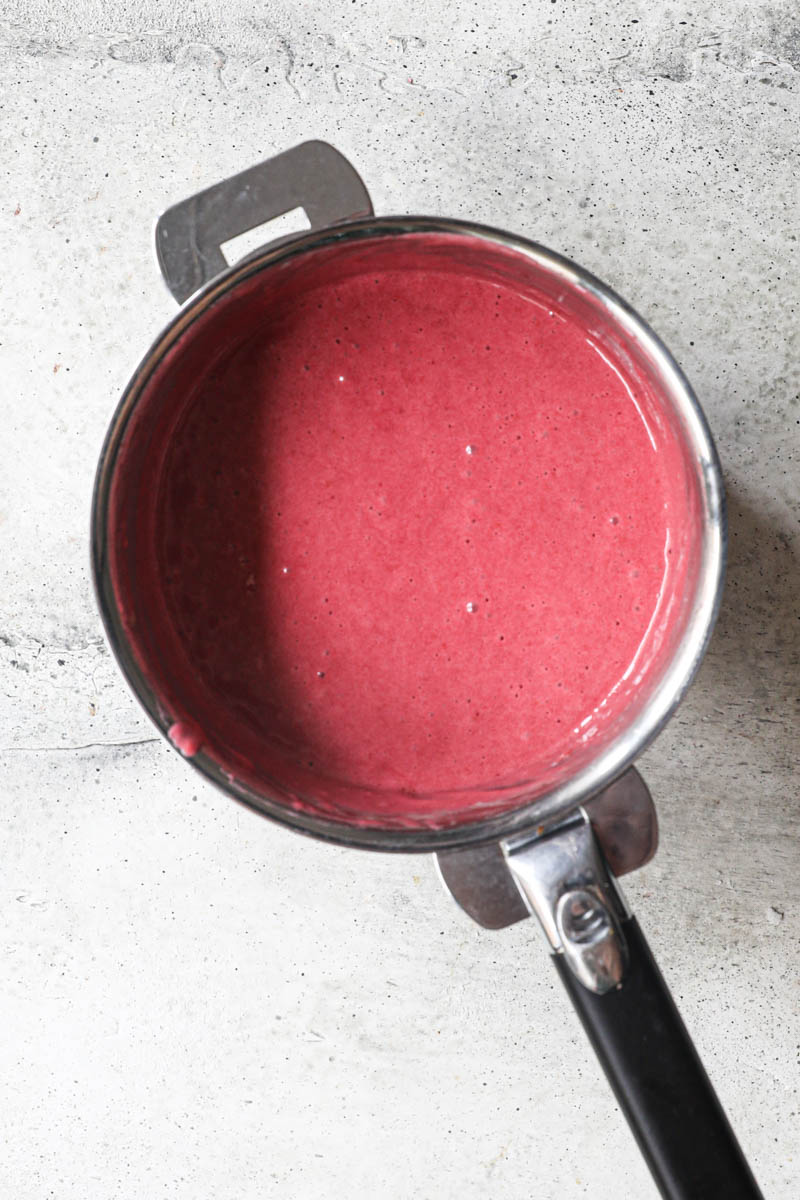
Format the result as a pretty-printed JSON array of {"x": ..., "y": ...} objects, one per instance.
[{"x": 196, "y": 1004}]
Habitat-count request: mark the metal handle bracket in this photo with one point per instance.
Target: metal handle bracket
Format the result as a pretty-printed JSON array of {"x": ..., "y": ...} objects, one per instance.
[{"x": 565, "y": 880}]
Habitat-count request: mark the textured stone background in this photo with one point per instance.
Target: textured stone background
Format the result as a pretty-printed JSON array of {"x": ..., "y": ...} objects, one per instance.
[{"x": 197, "y": 1004}]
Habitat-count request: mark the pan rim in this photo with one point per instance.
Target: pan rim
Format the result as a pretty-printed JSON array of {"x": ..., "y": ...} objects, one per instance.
[{"x": 644, "y": 727}]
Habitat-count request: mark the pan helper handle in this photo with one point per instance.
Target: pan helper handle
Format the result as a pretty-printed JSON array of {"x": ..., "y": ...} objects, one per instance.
[{"x": 312, "y": 176}]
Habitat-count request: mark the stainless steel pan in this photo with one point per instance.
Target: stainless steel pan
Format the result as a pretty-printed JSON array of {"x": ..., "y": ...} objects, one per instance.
[{"x": 554, "y": 850}]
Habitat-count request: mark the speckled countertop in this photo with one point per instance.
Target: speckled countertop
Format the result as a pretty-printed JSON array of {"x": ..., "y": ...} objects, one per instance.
[{"x": 199, "y": 1004}]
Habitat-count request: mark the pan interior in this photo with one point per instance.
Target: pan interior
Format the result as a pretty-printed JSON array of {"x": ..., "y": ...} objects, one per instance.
[{"x": 403, "y": 532}]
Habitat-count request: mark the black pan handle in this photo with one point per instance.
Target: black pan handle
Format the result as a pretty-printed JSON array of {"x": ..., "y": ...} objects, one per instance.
[
  {"x": 659, "y": 1081},
  {"x": 626, "y": 1008}
]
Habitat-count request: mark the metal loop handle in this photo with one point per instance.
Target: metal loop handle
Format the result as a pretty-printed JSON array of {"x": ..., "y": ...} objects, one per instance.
[{"x": 312, "y": 175}]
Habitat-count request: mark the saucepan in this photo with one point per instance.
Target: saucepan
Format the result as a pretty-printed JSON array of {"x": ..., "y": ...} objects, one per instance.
[{"x": 550, "y": 841}]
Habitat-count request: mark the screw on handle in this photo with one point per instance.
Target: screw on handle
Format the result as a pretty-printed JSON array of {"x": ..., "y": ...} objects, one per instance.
[{"x": 312, "y": 176}]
